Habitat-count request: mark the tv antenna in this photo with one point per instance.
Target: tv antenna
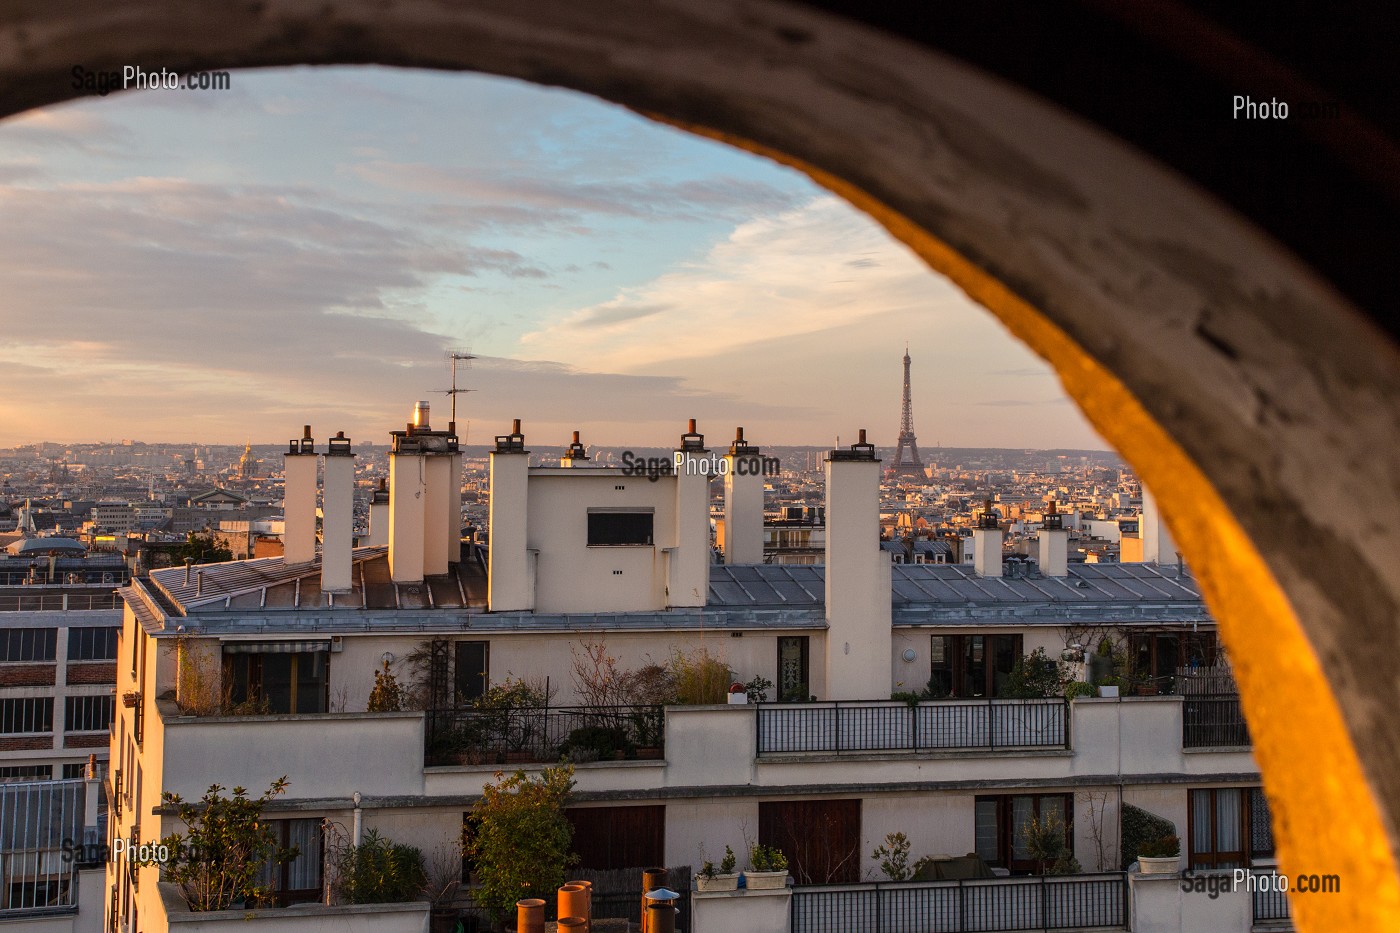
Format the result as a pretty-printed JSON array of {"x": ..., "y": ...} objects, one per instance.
[{"x": 456, "y": 355}]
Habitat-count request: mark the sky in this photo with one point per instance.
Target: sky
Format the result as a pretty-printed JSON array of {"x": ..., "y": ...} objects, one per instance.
[{"x": 310, "y": 244}]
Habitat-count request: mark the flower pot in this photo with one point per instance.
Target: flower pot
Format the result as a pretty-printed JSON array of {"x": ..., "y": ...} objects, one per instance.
[
  {"x": 765, "y": 880},
  {"x": 717, "y": 883},
  {"x": 652, "y": 753},
  {"x": 1107, "y": 691},
  {"x": 1158, "y": 865}
]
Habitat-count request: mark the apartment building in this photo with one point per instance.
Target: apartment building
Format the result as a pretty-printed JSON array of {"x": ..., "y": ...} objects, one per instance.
[{"x": 582, "y": 555}]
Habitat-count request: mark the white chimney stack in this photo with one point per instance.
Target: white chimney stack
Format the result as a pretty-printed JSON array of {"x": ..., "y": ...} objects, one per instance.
[
  {"x": 1158, "y": 546},
  {"x": 338, "y": 516},
  {"x": 408, "y": 499},
  {"x": 1053, "y": 542},
  {"x": 508, "y": 586},
  {"x": 743, "y": 503},
  {"x": 689, "y": 580},
  {"x": 859, "y": 641},
  {"x": 436, "y": 523},
  {"x": 379, "y": 516},
  {"x": 299, "y": 500},
  {"x": 986, "y": 544}
]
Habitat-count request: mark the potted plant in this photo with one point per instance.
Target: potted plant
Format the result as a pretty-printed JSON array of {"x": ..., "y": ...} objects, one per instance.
[
  {"x": 725, "y": 879},
  {"x": 767, "y": 868},
  {"x": 1160, "y": 856}
]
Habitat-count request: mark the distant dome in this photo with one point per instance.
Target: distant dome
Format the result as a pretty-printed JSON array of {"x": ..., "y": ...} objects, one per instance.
[{"x": 32, "y": 546}]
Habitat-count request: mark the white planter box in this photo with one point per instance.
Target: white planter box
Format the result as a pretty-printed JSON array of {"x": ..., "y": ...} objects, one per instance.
[
  {"x": 738, "y": 699},
  {"x": 717, "y": 883},
  {"x": 765, "y": 880},
  {"x": 1107, "y": 691},
  {"x": 1158, "y": 865}
]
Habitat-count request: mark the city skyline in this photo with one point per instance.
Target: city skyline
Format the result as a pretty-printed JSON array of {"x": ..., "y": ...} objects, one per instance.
[{"x": 240, "y": 263}]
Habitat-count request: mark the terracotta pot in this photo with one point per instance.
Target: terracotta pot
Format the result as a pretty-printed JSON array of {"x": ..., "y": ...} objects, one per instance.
[{"x": 1159, "y": 865}]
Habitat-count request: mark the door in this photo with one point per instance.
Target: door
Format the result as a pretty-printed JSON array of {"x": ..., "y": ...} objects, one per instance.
[
  {"x": 619, "y": 837},
  {"x": 794, "y": 676},
  {"x": 821, "y": 838}
]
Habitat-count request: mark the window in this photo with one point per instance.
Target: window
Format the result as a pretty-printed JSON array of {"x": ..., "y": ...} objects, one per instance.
[
  {"x": 78, "y": 769},
  {"x": 26, "y": 714},
  {"x": 88, "y": 714},
  {"x": 619, "y": 837},
  {"x": 10, "y": 773},
  {"x": 794, "y": 678},
  {"x": 92, "y": 644},
  {"x": 971, "y": 665},
  {"x": 279, "y": 681},
  {"x": 298, "y": 881},
  {"x": 28, "y": 644},
  {"x": 618, "y": 529},
  {"x": 473, "y": 669},
  {"x": 1229, "y": 827},
  {"x": 1162, "y": 656},
  {"x": 1001, "y": 822}
]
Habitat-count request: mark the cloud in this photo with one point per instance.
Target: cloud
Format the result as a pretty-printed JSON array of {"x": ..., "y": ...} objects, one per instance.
[
  {"x": 782, "y": 273},
  {"x": 603, "y": 315}
]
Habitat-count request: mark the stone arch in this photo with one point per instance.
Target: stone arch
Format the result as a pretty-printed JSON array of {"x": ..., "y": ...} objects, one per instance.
[{"x": 1230, "y": 346}]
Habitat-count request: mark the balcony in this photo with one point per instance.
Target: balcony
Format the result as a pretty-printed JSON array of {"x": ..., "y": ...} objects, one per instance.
[
  {"x": 1053, "y": 902},
  {"x": 543, "y": 734},
  {"x": 838, "y": 728},
  {"x": 1213, "y": 721}
]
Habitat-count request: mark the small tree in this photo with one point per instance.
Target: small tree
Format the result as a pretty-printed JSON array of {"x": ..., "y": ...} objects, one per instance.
[
  {"x": 216, "y": 862},
  {"x": 520, "y": 838},
  {"x": 387, "y": 695},
  {"x": 201, "y": 549},
  {"x": 1045, "y": 841},
  {"x": 894, "y": 857}
]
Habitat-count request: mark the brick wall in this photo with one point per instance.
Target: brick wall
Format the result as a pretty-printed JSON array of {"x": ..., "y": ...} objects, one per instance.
[
  {"x": 28, "y": 675},
  {"x": 92, "y": 672},
  {"x": 14, "y": 743},
  {"x": 86, "y": 740}
]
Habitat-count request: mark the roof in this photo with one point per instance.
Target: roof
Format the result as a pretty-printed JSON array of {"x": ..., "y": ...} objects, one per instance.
[
  {"x": 269, "y": 583},
  {"x": 45, "y": 545},
  {"x": 948, "y": 593}
]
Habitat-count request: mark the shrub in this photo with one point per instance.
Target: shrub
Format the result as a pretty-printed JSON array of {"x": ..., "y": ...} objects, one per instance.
[
  {"x": 378, "y": 871},
  {"x": 1078, "y": 688},
  {"x": 216, "y": 862},
  {"x": 387, "y": 695},
  {"x": 1139, "y": 828},
  {"x": 700, "y": 678},
  {"x": 1035, "y": 675},
  {"x": 1161, "y": 847},
  {"x": 894, "y": 857},
  {"x": 767, "y": 858},
  {"x": 602, "y": 741},
  {"x": 520, "y": 838},
  {"x": 757, "y": 689}
]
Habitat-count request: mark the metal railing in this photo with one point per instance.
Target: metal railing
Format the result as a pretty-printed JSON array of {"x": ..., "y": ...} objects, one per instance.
[
  {"x": 58, "y": 602},
  {"x": 534, "y": 734},
  {"x": 1270, "y": 905},
  {"x": 874, "y": 726},
  {"x": 1213, "y": 721},
  {"x": 1051, "y": 902},
  {"x": 41, "y": 819}
]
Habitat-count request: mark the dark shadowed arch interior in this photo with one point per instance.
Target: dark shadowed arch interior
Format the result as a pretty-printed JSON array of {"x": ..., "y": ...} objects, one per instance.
[{"x": 1209, "y": 294}]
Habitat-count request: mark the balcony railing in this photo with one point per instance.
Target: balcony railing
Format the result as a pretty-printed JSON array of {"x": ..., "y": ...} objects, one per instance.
[
  {"x": 58, "y": 602},
  {"x": 1213, "y": 722},
  {"x": 538, "y": 734},
  {"x": 1270, "y": 906},
  {"x": 1054, "y": 902},
  {"x": 861, "y": 727}
]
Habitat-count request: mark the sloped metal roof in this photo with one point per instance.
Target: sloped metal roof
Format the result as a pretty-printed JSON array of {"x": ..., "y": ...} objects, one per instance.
[{"x": 269, "y": 583}]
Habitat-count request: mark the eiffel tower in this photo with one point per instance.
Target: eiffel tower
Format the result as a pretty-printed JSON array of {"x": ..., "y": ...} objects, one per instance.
[{"x": 912, "y": 467}]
